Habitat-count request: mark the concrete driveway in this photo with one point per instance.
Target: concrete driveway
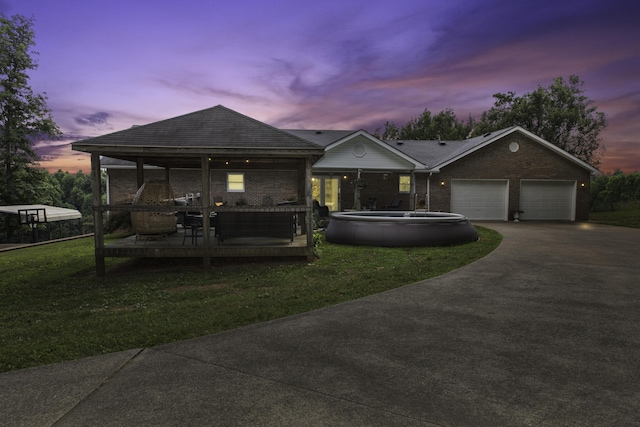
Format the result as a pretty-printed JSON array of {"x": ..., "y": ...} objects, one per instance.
[{"x": 543, "y": 331}]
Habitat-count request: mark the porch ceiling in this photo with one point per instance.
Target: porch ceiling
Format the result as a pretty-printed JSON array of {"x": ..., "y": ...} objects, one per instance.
[{"x": 188, "y": 159}]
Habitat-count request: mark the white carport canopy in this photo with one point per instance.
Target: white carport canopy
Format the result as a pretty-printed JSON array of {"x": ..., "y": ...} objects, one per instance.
[{"x": 53, "y": 213}]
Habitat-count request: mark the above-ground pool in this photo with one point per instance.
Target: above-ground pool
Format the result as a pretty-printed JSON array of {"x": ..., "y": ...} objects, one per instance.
[{"x": 400, "y": 228}]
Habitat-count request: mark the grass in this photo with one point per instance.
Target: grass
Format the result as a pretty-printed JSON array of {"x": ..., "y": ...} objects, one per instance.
[
  {"x": 53, "y": 308},
  {"x": 622, "y": 218}
]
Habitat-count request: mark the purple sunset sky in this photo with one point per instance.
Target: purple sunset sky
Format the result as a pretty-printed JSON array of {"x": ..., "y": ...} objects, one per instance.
[{"x": 335, "y": 64}]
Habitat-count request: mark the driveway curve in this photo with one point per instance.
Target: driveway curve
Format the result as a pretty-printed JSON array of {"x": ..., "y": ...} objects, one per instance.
[{"x": 545, "y": 330}]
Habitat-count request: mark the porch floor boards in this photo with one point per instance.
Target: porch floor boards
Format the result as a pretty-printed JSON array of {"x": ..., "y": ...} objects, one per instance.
[{"x": 172, "y": 246}]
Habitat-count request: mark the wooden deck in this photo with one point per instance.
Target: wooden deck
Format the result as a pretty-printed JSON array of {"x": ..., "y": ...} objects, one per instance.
[{"x": 172, "y": 246}]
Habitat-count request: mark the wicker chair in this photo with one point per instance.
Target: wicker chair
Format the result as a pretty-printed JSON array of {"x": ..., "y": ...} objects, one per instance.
[{"x": 153, "y": 223}]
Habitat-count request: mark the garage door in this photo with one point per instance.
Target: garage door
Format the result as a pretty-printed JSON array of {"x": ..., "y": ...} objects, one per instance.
[
  {"x": 480, "y": 199},
  {"x": 548, "y": 200}
]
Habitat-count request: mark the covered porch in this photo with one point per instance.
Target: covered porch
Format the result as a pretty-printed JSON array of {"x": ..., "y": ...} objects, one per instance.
[{"x": 214, "y": 143}]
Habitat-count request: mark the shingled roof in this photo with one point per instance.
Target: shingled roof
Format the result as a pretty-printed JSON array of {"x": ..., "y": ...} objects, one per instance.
[
  {"x": 434, "y": 153},
  {"x": 438, "y": 154},
  {"x": 321, "y": 137},
  {"x": 217, "y": 130}
]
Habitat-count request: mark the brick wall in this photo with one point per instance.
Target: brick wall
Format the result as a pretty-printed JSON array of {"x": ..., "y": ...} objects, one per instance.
[
  {"x": 496, "y": 161},
  {"x": 123, "y": 186},
  {"x": 262, "y": 187},
  {"x": 384, "y": 190}
]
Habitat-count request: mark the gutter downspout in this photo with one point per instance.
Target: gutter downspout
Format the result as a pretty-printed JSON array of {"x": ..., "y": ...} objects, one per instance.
[{"x": 428, "y": 195}]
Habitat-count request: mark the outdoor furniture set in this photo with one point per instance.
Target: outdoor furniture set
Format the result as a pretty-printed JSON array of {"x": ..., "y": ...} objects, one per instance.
[{"x": 227, "y": 224}]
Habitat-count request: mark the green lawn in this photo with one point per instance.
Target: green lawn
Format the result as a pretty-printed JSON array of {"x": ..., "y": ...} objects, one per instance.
[
  {"x": 622, "y": 218},
  {"x": 53, "y": 307}
]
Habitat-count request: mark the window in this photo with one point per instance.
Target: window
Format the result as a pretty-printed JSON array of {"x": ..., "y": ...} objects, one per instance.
[
  {"x": 325, "y": 191},
  {"x": 235, "y": 182},
  {"x": 405, "y": 184}
]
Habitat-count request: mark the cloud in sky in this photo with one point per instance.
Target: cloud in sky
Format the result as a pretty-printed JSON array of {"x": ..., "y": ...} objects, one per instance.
[
  {"x": 346, "y": 64},
  {"x": 93, "y": 119}
]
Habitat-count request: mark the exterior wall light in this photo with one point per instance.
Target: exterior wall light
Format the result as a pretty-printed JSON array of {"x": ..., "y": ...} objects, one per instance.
[{"x": 442, "y": 183}]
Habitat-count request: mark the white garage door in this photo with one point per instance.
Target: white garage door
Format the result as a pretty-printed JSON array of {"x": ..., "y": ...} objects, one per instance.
[
  {"x": 548, "y": 200},
  {"x": 480, "y": 199}
]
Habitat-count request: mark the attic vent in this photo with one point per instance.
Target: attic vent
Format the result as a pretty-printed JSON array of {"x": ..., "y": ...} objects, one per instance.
[
  {"x": 318, "y": 132},
  {"x": 487, "y": 134},
  {"x": 442, "y": 143},
  {"x": 359, "y": 150},
  {"x": 399, "y": 143}
]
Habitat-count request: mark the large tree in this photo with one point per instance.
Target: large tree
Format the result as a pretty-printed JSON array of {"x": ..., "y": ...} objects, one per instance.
[
  {"x": 560, "y": 113},
  {"x": 442, "y": 126},
  {"x": 23, "y": 114}
]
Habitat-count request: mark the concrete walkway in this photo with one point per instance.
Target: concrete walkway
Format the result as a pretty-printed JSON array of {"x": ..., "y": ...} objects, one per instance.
[{"x": 543, "y": 331}]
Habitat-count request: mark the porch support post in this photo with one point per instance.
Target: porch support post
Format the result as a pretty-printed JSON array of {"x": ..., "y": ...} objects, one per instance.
[
  {"x": 428, "y": 195},
  {"x": 412, "y": 196},
  {"x": 309, "y": 204},
  {"x": 96, "y": 202},
  {"x": 302, "y": 193},
  {"x": 140, "y": 171},
  {"x": 206, "y": 209}
]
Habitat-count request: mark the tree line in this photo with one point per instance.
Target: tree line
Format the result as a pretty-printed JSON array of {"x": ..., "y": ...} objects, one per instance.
[
  {"x": 560, "y": 113},
  {"x": 615, "y": 191}
]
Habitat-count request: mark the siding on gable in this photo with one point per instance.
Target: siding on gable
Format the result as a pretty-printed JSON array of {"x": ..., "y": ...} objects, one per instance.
[{"x": 348, "y": 156}]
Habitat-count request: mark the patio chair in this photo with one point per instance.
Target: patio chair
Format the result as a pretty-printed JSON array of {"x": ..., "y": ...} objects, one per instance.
[
  {"x": 192, "y": 228},
  {"x": 181, "y": 214},
  {"x": 320, "y": 214},
  {"x": 322, "y": 211},
  {"x": 395, "y": 204}
]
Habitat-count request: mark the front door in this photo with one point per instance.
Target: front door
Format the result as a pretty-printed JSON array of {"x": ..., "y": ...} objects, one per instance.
[{"x": 326, "y": 190}]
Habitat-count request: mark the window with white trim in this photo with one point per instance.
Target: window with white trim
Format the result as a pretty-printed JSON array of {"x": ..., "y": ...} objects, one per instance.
[
  {"x": 404, "y": 184},
  {"x": 235, "y": 182}
]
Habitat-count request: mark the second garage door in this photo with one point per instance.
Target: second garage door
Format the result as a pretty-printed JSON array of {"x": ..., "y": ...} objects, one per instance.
[
  {"x": 479, "y": 199},
  {"x": 548, "y": 200}
]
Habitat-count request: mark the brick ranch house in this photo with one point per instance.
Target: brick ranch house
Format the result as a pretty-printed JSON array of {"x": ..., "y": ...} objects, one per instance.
[{"x": 490, "y": 177}]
